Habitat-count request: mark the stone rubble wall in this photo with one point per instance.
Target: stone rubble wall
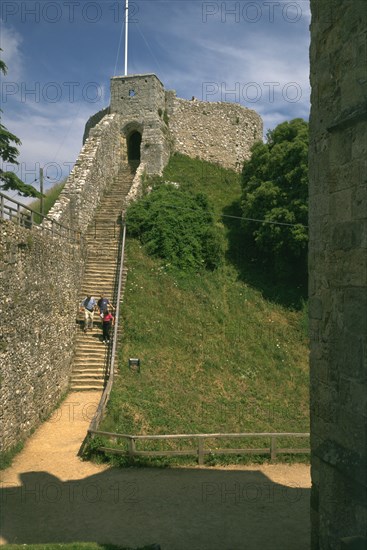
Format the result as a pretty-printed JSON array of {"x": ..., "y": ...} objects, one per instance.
[
  {"x": 39, "y": 282},
  {"x": 140, "y": 102},
  {"x": 338, "y": 274},
  {"x": 136, "y": 189},
  {"x": 97, "y": 164},
  {"x": 221, "y": 133},
  {"x": 93, "y": 121}
]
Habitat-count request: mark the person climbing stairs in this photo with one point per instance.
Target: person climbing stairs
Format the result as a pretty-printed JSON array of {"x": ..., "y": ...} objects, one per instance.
[{"x": 103, "y": 243}]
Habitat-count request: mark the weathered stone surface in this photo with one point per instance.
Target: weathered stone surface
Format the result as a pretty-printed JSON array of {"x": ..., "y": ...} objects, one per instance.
[
  {"x": 39, "y": 282},
  {"x": 221, "y": 133},
  {"x": 139, "y": 100},
  {"x": 338, "y": 274},
  {"x": 97, "y": 164}
]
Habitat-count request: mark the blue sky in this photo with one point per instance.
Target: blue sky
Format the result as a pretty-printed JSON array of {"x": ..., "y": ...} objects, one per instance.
[{"x": 62, "y": 53}]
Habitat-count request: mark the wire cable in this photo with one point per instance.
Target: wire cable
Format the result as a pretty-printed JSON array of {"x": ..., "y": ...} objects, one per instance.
[{"x": 242, "y": 218}]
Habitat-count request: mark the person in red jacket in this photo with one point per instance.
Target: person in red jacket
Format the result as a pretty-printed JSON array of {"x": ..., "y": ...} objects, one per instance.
[{"x": 107, "y": 321}]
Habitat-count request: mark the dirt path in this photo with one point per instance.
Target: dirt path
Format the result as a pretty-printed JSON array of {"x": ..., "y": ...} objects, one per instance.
[{"x": 50, "y": 495}]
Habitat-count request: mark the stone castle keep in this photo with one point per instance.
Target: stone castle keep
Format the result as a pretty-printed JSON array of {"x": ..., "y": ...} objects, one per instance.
[
  {"x": 40, "y": 274},
  {"x": 155, "y": 124}
]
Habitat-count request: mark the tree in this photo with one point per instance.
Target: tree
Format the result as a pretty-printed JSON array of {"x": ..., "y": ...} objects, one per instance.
[
  {"x": 9, "y": 153},
  {"x": 275, "y": 189}
]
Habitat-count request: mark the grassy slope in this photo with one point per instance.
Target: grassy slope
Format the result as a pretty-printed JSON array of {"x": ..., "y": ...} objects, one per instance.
[{"x": 215, "y": 355}]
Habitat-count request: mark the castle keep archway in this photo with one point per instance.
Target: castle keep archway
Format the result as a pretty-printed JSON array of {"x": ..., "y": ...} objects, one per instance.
[{"x": 133, "y": 146}]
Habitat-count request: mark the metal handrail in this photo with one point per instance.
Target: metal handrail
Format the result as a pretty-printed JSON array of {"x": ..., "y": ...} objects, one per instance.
[
  {"x": 110, "y": 372},
  {"x": 26, "y": 219}
]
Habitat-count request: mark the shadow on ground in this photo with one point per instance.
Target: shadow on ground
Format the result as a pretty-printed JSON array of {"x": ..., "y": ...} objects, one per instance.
[
  {"x": 252, "y": 270},
  {"x": 180, "y": 509}
]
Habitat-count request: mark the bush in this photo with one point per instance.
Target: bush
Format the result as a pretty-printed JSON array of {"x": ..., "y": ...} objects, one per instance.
[{"x": 177, "y": 226}]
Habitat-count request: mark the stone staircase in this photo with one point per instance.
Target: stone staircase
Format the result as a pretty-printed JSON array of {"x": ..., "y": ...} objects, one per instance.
[{"x": 102, "y": 239}]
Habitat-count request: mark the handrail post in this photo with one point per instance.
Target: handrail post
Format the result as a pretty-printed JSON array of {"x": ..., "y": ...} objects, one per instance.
[
  {"x": 273, "y": 447},
  {"x": 18, "y": 214}
]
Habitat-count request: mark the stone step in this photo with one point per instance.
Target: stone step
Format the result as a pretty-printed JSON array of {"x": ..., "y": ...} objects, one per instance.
[
  {"x": 96, "y": 362},
  {"x": 93, "y": 362},
  {"x": 90, "y": 387},
  {"x": 89, "y": 357},
  {"x": 93, "y": 354},
  {"x": 89, "y": 282},
  {"x": 93, "y": 269},
  {"x": 87, "y": 381},
  {"x": 93, "y": 350},
  {"x": 87, "y": 376},
  {"x": 103, "y": 245},
  {"x": 95, "y": 382},
  {"x": 93, "y": 372}
]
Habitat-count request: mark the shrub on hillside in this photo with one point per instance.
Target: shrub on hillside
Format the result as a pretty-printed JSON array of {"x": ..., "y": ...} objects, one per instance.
[{"x": 178, "y": 227}]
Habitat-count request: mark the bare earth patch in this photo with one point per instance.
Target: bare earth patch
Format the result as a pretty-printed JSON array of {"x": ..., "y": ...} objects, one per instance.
[{"x": 50, "y": 495}]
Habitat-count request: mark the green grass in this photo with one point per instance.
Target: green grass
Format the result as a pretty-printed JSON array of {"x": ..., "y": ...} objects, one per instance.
[
  {"x": 49, "y": 200},
  {"x": 216, "y": 356},
  {"x": 6, "y": 457}
]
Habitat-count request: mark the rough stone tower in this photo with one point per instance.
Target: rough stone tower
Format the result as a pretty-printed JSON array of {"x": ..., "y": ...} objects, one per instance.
[
  {"x": 154, "y": 123},
  {"x": 338, "y": 274},
  {"x": 140, "y": 102}
]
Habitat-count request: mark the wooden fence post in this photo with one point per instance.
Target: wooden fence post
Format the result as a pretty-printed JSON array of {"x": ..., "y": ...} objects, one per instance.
[
  {"x": 131, "y": 447},
  {"x": 201, "y": 451},
  {"x": 273, "y": 448}
]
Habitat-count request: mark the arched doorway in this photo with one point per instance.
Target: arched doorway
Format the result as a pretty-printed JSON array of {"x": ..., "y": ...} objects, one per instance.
[{"x": 133, "y": 146}]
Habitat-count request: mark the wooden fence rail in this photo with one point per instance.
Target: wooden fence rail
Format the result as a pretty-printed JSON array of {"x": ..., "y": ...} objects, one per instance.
[{"x": 199, "y": 450}]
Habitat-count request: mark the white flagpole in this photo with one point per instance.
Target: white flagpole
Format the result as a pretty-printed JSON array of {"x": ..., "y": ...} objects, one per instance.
[{"x": 126, "y": 32}]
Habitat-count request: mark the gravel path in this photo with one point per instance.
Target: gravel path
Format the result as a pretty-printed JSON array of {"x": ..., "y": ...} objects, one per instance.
[{"x": 50, "y": 495}]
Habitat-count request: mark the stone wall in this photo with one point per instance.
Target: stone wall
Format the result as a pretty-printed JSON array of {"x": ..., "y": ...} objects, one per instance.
[
  {"x": 338, "y": 274},
  {"x": 221, "y": 133},
  {"x": 39, "y": 282},
  {"x": 98, "y": 163},
  {"x": 93, "y": 121},
  {"x": 140, "y": 102}
]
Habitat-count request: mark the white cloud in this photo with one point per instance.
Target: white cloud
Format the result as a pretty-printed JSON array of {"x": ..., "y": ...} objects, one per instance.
[{"x": 10, "y": 43}]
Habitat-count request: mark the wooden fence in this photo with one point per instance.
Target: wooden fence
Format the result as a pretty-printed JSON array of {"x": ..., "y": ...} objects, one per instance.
[{"x": 199, "y": 450}]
